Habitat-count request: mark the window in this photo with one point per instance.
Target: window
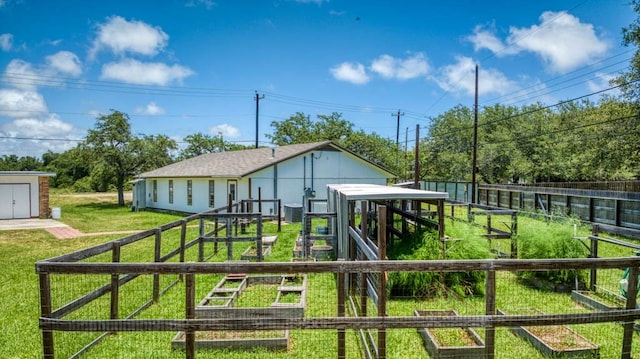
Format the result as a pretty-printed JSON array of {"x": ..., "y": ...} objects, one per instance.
[
  {"x": 212, "y": 196},
  {"x": 170, "y": 191},
  {"x": 155, "y": 190},
  {"x": 189, "y": 193},
  {"x": 231, "y": 189}
]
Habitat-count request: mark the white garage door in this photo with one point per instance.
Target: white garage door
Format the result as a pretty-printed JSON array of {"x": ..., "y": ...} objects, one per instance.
[{"x": 14, "y": 201}]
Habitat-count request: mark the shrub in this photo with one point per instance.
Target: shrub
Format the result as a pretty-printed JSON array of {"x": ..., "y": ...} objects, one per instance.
[
  {"x": 547, "y": 241},
  {"x": 426, "y": 246}
]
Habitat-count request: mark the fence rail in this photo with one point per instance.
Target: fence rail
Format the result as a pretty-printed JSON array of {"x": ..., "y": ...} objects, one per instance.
[
  {"x": 609, "y": 207},
  {"x": 50, "y": 322}
]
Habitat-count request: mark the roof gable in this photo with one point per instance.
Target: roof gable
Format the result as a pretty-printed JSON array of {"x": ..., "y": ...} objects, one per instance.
[{"x": 235, "y": 164}]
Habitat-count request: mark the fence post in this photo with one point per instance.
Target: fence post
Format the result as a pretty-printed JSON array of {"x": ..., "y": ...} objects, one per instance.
[
  {"x": 183, "y": 240},
  {"x": 279, "y": 216},
  {"x": 514, "y": 232},
  {"x": 593, "y": 254},
  {"x": 156, "y": 276},
  {"x": 341, "y": 312},
  {"x": 229, "y": 230},
  {"x": 490, "y": 309},
  {"x": 489, "y": 228},
  {"x": 632, "y": 291},
  {"x": 259, "y": 239},
  {"x": 201, "y": 240},
  {"x": 45, "y": 312},
  {"x": 115, "y": 281},
  {"x": 215, "y": 233},
  {"x": 382, "y": 280},
  {"x": 364, "y": 217},
  {"x": 190, "y": 302}
]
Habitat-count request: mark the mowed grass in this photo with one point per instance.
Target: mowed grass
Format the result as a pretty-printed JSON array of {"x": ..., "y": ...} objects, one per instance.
[
  {"x": 19, "y": 250},
  {"x": 21, "y": 337}
]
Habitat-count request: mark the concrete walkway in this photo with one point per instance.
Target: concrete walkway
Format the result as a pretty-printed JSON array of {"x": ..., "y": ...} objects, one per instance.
[
  {"x": 56, "y": 228},
  {"x": 29, "y": 223}
]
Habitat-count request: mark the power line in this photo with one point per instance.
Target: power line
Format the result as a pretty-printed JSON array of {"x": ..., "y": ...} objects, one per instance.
[
  {"x": 519, "y": 139},
  {"x": 537, "y": 109}
]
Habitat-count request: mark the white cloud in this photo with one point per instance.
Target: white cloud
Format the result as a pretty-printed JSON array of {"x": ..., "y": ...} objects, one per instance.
[
  {"x": 483, "y": 38},
  {"x": 21, "y": 74},
  {"x": 6, "y": 41},
  {"x": 350, "y": 72},
  {"x": 33, "y": 127},
  {"x": 18, "y": 103},
  {"x": 317, "y": 2},
  {"x": 225, "y": 130},
  {"x": 601, "y": 82},
  {"x": 33, "y": 136},
  {"x": 561, "y": 40},
  {"x": 151, "y": 109},
  {"x": 390, "y": 67},
  {"x": 65, "y": 62},
  {"x": 136, "y": 37},
  {"x": 144, "y": 73},
  {"x": 460, "y": 77},
  {"x": 208, "y": 4}
]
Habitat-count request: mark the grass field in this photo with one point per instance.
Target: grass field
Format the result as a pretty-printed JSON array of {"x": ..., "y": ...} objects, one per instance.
[{"x": 20, "y": 336}]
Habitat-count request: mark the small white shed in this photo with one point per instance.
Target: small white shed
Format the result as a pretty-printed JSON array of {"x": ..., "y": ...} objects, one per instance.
[{"x": 24, "y": 194}]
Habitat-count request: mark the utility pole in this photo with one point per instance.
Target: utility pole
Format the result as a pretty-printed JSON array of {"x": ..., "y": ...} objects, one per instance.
[
  {"x": 416, "y": 166},
  {"x": 398, "y": 114},
  {"x": 475, "y": 143},
  {"x": 257, "y": 98},
  {"x": 398, "y": 137},
  {"x": 406, "y": 141}
]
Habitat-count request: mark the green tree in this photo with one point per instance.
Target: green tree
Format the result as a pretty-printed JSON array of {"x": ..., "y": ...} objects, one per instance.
[
  {"x": 69, "y": 166},
  {"x": 446, "y": 151},
  {"x": 629, "y": 81},
  {"x": 15, "y": 163},
  {"x": 379, "y": 150},
  {"x": 499, "y": 160},
  {"x": 296, "y": 129},
  {"x": 199, "y": 144},
  {"x": 299, "y": 128},
  {"x": 120, "y": 155}
]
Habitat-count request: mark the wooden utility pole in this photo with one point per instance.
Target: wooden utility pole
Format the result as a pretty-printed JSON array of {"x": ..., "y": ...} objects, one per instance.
[
  {"x": 398, "y": 114},
  {"x": 257, "y": 98},
  {"x": 416, "y": 166},
  {"x": 475, "y": 143}
]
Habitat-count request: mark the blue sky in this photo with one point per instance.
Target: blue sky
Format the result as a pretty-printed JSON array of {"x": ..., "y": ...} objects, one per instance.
[{"x": 178, "y": 67}]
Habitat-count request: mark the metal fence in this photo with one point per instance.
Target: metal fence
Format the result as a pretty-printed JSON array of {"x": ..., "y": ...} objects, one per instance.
[{"x": 610, "y": 207}]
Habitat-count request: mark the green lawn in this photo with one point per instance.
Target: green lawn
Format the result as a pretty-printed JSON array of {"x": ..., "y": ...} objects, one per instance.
[{"x": 21, "y": 338}]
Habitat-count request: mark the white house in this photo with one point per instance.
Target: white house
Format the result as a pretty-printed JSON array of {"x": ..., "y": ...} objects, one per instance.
[
  {"x": 205, "y": 182},
  {"x": 24, "y": 194}
]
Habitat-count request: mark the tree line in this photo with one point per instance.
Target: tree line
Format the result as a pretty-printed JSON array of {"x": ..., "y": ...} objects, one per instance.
[{"x": 576, "y": 141}]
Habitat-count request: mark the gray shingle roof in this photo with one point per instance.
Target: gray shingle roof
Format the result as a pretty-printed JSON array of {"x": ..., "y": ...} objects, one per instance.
[{"x": 235, "y": 163}]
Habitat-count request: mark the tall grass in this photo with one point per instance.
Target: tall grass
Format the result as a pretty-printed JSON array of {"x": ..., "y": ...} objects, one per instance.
[
  {"x": 424, "y": 244},
  {"x": 552, "y": 239}
]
